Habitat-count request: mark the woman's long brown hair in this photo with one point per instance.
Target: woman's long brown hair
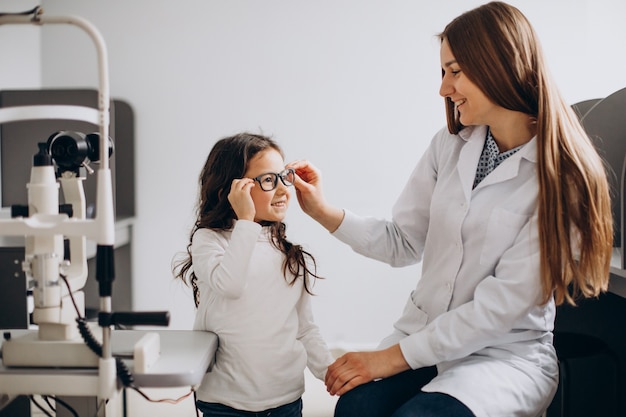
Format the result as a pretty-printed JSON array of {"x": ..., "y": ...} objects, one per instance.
[
  {"x": 498, "y": 50},
  {"x": 227, "y": 160}
]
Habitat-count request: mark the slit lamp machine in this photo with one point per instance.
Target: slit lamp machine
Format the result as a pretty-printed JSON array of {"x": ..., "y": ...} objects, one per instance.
[{"x": 55, "y": 262}]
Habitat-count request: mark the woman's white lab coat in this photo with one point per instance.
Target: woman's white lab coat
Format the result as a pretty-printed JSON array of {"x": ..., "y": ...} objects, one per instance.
[{"x": 475, "y": 312}]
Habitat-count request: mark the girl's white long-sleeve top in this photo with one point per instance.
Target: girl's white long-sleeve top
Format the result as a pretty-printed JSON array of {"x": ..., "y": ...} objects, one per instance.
[
  {"x": 476, "y": 311},
  {"x": 265, "y": 326}
]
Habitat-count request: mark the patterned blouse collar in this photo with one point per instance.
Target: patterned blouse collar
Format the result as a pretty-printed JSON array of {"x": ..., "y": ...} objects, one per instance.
[{"x": 491, "y": 158}]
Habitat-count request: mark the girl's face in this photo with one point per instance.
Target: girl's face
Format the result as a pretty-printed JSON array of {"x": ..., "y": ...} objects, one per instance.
[
  {"x": 269, "y": 205},
  {"x": 472, "y": 105}
]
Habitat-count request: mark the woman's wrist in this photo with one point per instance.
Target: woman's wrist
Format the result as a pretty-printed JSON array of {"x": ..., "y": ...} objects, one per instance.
[
  {"x": 331, "y": 218},
  {"x": 394, "y": 359}
]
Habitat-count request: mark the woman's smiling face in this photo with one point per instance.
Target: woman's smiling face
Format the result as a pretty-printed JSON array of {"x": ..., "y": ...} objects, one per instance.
[{"x": 472, "y": 105}]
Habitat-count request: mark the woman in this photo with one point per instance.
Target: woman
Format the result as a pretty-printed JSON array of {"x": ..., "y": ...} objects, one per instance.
[{"x": 509, "y": 213}]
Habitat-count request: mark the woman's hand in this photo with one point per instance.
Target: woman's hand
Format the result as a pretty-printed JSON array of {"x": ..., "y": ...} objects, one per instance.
[
  {"x": 356, "y": 368},
  {"x": 310, "y": 197},
  {"x": 240, "y": 199}
]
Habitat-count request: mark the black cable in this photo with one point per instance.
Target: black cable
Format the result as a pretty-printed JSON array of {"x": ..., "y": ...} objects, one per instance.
[
  {"x": 69, "y": 290},
  {"x": 88, "y": 337},
  {"x": 92, "y": 343},
  {"x": 39, "y": 406},
  {"x": 123, "y": 373},
  {"x": 195, "y": 400},
  {"x": 101, "y": 404},
  {"x": 67, "y": 406},
  {"x": 34, "y": 11},
  {"x": 47, "y": 400}
]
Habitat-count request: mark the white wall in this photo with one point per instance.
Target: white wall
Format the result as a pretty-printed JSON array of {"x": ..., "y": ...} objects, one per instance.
[
  {"x": 351, "y": 85},
  {"x": 20, "y": 66}
]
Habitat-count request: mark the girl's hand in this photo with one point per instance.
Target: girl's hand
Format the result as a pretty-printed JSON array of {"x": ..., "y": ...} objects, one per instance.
[
  {"x": 240, "y": 199},
  {"x": 310, "y": 197}
]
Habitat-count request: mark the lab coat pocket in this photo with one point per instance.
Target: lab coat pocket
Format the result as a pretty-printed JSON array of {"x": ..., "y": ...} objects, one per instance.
[
  {"x": 413, "y": 319},
  {"x": 502, "y": 230}
]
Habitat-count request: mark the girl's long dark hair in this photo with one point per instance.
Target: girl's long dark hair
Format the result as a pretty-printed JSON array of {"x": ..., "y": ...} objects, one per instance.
[{"x": 228, "y": 160}]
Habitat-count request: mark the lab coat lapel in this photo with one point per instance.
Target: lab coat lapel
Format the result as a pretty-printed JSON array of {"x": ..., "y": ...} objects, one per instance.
[
  {"x": 469, "y": 156},
  {"x": 509, "y": 168},
  {"x": 506, "y": 170}
]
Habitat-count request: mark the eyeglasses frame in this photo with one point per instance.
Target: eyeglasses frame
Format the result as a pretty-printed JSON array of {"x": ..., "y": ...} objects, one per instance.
[{"x": 277, "y": 175}]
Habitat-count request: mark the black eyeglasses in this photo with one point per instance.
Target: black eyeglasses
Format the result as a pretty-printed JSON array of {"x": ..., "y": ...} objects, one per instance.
[{"x": 269, "y": 181}]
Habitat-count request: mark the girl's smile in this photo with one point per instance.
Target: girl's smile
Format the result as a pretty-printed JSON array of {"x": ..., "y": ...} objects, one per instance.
[{"x": 269, "y": 205}]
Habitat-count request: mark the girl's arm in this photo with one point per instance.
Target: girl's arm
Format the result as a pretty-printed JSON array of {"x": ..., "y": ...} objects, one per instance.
[
  {"x": 318, "y": 355},
  {"x": 221, "y": 262}
]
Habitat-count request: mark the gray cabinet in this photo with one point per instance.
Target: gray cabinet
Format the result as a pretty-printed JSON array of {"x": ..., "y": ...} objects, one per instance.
[{"x": 18, "y": 144}]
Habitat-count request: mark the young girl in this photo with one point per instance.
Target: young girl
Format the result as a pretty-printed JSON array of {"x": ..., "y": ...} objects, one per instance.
[{"x": 251, "y": 285}]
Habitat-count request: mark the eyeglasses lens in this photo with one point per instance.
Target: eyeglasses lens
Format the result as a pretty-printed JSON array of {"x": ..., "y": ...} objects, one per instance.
[
  {"x": 269, "y": 181},
  {"x": 288, "y": 177}
]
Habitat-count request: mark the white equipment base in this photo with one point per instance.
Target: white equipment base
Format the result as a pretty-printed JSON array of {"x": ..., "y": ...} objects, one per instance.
[{"x": 27, "y": 350}]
